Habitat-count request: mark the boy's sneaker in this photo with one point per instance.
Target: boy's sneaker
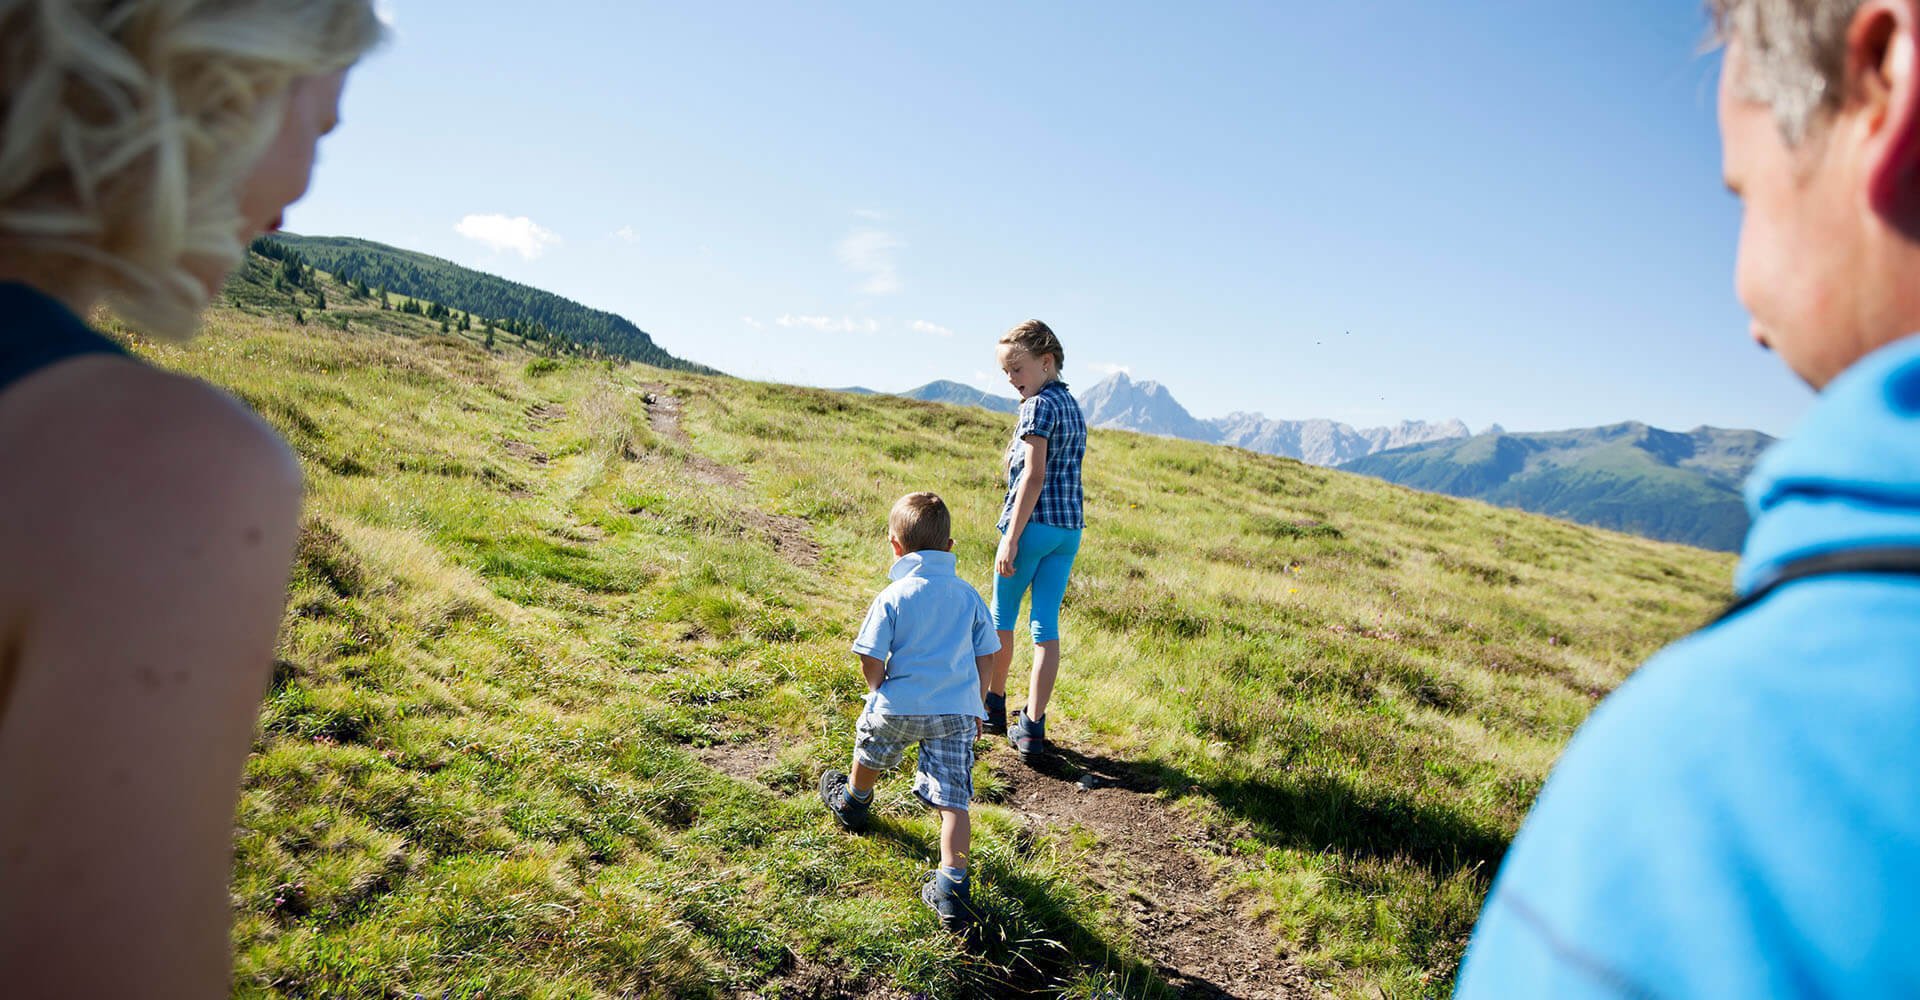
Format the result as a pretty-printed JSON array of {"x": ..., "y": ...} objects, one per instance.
[
  {"x": 996, "y": 723},
  {"x": 953, "y": 904},
  {"x": 849, "y": 811},
  {"x": 1028, "y": 736}
]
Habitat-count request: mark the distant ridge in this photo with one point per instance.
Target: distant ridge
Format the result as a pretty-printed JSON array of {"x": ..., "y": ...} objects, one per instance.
[
  {"x": 1681, "y": 487},
  {"x": 944, "y": 391},
  {"x": 418, "y": 275}
]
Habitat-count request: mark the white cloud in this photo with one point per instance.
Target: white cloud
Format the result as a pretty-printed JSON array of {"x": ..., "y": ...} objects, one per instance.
[
  {"x": 1109, "y": 368},
  {"x": 754, "y": 323},
  {"x": 520, "y": 234},
  {"x": 626, "y": 234},
  {"x": 827, "y": 324},
  {"x": 922, "y": 326},
  {"x": 383, "y": 9},
  {"x": 870, "y": 253}
]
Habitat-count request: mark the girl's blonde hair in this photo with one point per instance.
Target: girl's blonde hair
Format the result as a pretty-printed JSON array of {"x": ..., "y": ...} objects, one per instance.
[
  {"x": 1036, "y": 338},
  {"x": 128, "y": 129}
]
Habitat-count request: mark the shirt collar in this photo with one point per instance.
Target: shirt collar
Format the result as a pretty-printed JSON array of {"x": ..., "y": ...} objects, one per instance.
[{"x": 926, "y": 562}]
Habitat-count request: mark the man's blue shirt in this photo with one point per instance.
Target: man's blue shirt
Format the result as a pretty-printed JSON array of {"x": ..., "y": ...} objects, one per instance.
[
  {"x": 928, "y": 625},
  {"x": 1742, "y": 818}
]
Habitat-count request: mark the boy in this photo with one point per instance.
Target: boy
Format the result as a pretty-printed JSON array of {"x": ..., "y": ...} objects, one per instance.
[{"x": 926, "y": 648}]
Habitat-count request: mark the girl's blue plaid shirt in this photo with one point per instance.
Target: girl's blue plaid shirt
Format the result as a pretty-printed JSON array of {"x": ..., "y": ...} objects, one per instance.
[{"x": 1053, "y": 414}]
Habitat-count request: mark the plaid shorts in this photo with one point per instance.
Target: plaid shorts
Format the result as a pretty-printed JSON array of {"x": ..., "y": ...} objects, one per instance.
[{"x": 944, "y": 778}]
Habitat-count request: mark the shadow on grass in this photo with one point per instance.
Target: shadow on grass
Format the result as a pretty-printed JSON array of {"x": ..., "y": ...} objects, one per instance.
[
  {"x": 1319, "y": 812},
  {"x": 1323, "y": 812},
  {"x": 1027, "y": 942}
]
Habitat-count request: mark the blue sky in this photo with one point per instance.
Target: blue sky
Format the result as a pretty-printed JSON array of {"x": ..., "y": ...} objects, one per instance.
[{"x": 1502, "y": 211}]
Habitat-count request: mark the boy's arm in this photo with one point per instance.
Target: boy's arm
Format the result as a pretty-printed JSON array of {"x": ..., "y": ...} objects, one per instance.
[{"x": 873, "y": 669}]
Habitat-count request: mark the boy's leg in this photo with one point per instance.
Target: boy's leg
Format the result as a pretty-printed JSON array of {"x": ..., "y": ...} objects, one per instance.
[
  {"x": 948, "y": 891},
  {"x": 862, "y": 779},
  {"x": 945, "y": 782},
  {"x": 956, "y": 839},
  {"x": 876, "y": 747}
]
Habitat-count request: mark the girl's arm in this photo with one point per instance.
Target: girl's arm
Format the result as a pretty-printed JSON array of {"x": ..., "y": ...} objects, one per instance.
[{"x": 1025, "y": 496}]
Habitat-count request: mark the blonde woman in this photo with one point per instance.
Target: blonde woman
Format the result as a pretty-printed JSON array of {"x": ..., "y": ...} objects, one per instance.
[{"x": 146, "y": 520}]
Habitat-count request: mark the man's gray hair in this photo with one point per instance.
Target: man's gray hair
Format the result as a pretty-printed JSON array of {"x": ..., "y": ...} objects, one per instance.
[{"x": 1794, "y": 53}]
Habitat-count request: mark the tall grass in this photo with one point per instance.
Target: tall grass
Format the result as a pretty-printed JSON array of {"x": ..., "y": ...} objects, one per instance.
[{"x": 519, "y": 617}]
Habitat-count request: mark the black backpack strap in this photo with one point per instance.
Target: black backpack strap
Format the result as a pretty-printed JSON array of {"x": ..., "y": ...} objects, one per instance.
[{"x": 1891, "y": 560}]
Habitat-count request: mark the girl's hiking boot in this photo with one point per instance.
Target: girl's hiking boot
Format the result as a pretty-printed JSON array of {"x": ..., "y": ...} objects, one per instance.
[
  {"x": 953, "y": 904},
  {"x": 1028, "y": 736},
  {"x": 996, "y": 723},
  {"x": 849, "y": 811}
]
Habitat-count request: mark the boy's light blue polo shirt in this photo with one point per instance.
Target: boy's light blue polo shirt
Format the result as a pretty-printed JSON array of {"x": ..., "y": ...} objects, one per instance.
[{"x": 928, "y": 626}]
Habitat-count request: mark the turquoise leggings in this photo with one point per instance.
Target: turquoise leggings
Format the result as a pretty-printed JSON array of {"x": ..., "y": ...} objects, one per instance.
[{"x": 1044, "y": 559}]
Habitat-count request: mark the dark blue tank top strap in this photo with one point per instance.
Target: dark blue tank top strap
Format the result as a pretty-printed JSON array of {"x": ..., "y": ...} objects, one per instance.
[{"x": 36, "y": 331}]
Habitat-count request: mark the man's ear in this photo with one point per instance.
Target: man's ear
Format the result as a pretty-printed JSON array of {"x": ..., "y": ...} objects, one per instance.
[
  {"x": 949, "y": 547},
  {"x": 898, "y": 549},
  {"x": 1883, "y": 73}
]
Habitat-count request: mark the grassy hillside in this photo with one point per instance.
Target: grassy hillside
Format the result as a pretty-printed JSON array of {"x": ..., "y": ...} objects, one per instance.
[
  {"x": 1627, "y": 477},
  {"x": 418, "y": 275},
  {"x": 534, "y": 633}
]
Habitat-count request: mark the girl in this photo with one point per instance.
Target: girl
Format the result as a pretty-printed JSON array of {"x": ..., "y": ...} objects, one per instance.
[
  {"x": 1040, "y": 524},
  {"x": 147, "y": 520}
]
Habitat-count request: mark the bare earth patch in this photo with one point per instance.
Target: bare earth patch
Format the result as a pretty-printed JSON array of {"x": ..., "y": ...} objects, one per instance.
[
  {"x": 789, "y": 535},
  {"x": 543, "y": 414},
  {"x": 524, "y": 451},
  {"x": 743, "y": 760}
]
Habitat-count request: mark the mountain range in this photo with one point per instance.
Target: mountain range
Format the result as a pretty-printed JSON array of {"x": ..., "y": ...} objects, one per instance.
[
  {"x": 1674, "y": 486},
  {"x": 1148, "y": 407},
  {"x": 1677, "y": 486}
]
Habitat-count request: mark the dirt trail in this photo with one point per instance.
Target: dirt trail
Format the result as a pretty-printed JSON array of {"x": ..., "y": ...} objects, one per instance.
[
  {"x": 1156, "y": 863},
  {"x": 790, "y": 535},
  {"x": 1150, "y": 858}
]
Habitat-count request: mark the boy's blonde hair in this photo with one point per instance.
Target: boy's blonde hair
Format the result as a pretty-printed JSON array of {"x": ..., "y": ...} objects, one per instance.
[
  {"x": 920, "y": 521},
  {"x": 1036, "y": 338},
  {"x": 128, "y": 129}
]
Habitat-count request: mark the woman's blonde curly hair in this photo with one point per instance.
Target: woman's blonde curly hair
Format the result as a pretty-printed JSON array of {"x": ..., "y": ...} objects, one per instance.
[{"x": 129, "y": 127}]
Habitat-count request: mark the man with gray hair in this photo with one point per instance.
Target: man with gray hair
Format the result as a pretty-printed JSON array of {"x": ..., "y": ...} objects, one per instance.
[{"x": 1742, "y": 818}]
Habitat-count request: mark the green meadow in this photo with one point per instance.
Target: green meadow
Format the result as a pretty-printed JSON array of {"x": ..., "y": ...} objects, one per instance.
[{"x": 525, "y": 621}]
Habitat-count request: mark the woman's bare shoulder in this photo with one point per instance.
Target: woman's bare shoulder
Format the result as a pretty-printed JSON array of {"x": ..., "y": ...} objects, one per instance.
[{"x": 106, "y": 456}]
